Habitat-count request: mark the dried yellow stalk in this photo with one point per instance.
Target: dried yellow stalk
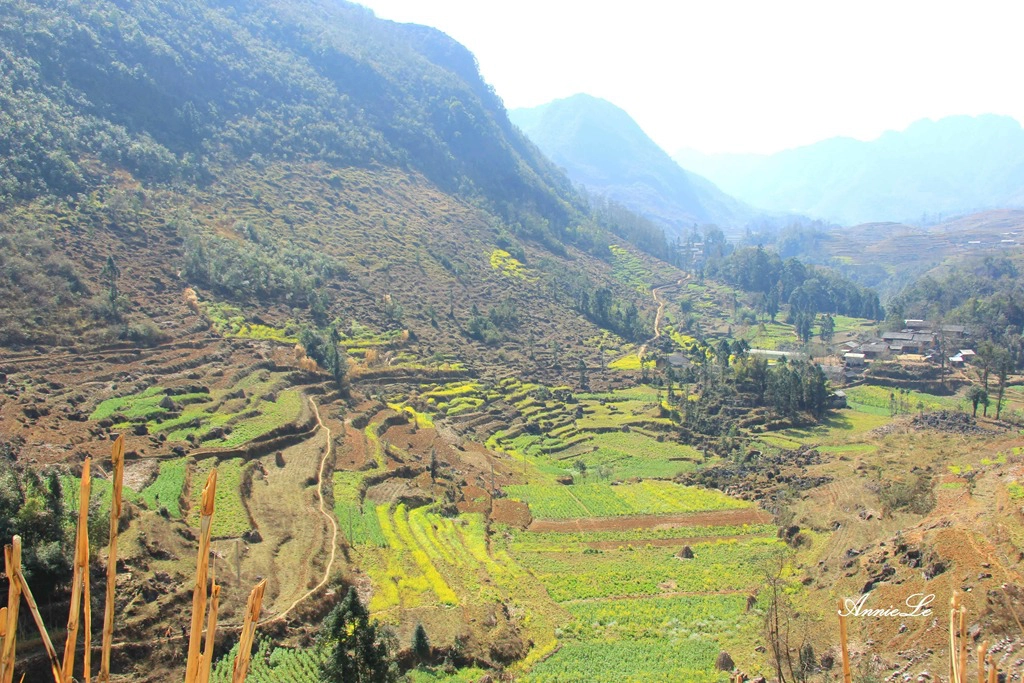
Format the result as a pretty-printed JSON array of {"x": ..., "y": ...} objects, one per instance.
[
  {"x": 202, "y": 573},
  {"x": 252, "y": 617},
  {"x": 117, "y": 462},
  {"x": 80, "y": 571}
]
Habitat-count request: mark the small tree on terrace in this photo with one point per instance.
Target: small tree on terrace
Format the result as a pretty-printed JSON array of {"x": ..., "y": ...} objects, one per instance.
[
  {"x": 355, "y": 651},
  {"x": 977, "y": 395},
  {"x": 420, "y": 644},
  {"x": 580, "y": 467},
  {"x": 828, "y": 328}
]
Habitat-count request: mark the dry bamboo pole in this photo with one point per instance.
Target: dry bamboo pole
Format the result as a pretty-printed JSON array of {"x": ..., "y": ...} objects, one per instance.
[
  {"x": 81, "y": 567},
  {"x": 211, "y": 632},
  {"x": 3, "y": 625},
  {"x": 117, "y": 461},
  {"x": 963, "y": 641},
  {"x": 206, "y": 658},
  {"x": 252, "y": 617},
  {"x": 202, "y": 572},
  {"x": 993, "y": 671},
  {"x": 982, "y": 649},
  {"x": 86, "y": 616},
  {"x": 51, "y": 652},
  {"x": 847, "y": 674},
  {"x": 954, "y": 665},
  {"x": 12, "y": 565}
]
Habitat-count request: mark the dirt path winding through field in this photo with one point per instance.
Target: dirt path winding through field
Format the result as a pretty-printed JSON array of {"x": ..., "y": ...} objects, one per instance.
[
  {"x": 656, "y": 294},
  {"x": 327, "y": 514}
]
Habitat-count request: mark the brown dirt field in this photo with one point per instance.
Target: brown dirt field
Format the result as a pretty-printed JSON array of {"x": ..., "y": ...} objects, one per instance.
[
  {"x": 716, "y": 518},
  {"x": 511, "y": 512},
  {"x": 352, "y": 451},
  {"x": 294, "y": 533}
]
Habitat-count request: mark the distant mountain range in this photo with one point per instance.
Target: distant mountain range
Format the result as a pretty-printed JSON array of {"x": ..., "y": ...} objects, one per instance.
[
  {"x": 603, "y": 149},
  {"x": 931, "y": 170}
]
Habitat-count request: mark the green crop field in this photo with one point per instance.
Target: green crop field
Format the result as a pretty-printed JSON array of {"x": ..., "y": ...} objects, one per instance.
[
  {"x": 255, "y": 414},
  {"x": 769, "y": 336},
  {"x": 631, "y": 454},
  {"x": 357, "y": 518},
  {"x": 272, "y": 665},
  {"x": 142, "y": 405},
  {"x": 630, "y": 270},
  {"x": 230, "y": 519},
  {"x": 229, "y": 321},
  {"x": 168, "y": 487},
  {"x": 883, "y": 400},
  {"x": 717, "y": 566},
  {"x": 603, "y": 500},
  {"x": 270, "y": 416},
  {"x": 100, "y": 494},
  {"x": 646, "y": 661},
  {"x": 577, "y": 541},
  {"x": 422, "y": 675},
  {"x": 628, "y": 362},
  {"x": 657, "y": 617}
]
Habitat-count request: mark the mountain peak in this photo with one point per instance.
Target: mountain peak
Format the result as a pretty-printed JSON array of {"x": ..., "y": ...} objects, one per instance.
[
  {"x": 603, "y": 148},
  {"x": 952, "y": 165}
]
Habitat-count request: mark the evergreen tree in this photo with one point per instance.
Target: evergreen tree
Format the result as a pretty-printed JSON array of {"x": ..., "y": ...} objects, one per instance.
[
  {"x": 421, "y": 644},
  {"x": 356, "y": 651},
  {"x": 828, "y": 328}
]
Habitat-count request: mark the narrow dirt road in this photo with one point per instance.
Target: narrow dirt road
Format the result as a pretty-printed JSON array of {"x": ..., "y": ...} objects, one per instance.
[
  {"x": 326, "y": 513},
  {"x": 656, "y": 294}
]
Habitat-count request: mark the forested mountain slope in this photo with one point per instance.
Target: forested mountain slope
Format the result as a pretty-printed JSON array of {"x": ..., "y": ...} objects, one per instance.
[{"x": 202, "y": 136}]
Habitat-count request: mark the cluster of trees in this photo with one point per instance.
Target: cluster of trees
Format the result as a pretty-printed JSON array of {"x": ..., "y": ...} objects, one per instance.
[
  {"x": 605, "y": 310},
  {"x": 807, "y": 290},
  {"x": 491, "y": 328},
  {"x": 32, "y": 506},
  {"x": 725, "y": 383},
  {"x": 795, "y": 387},
  {"x": 635, "y": 229},
  {"x": 325, "y": 350},
  {"x": 356, "y": 649},
  {"x": 985, "y": 294},
  {"x": 259, "y": 269}
]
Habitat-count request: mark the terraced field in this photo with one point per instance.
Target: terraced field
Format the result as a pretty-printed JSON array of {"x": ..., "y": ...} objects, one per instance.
[
  {"x": 603, "y": 500},
  {"x": 639, "y": 612},
  {"x": 253, "y": 406}
]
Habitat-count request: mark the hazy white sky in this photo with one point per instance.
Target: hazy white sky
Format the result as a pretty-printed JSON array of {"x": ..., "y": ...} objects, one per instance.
[{"x": 745, "y": 75}]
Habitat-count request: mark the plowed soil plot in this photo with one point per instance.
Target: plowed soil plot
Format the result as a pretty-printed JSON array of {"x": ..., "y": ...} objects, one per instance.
[
  {"x": 295, "y": 536},
  {"x": 716, "y": 518}
]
